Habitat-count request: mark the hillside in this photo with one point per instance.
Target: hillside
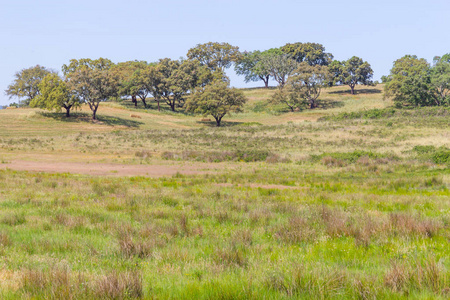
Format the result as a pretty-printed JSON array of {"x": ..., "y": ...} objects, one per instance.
[{"x": 349, "y": 200}]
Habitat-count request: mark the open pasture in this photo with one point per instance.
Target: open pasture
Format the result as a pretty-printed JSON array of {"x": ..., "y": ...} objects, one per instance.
[{"x": 347, "y": 201}]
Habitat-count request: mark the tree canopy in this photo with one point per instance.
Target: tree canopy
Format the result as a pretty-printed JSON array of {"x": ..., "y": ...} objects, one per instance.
[
  {"x": 216, "y": 99},
  {"x": 129, "y": 84},
  {"x": 303, "y": 86},
  {"x": 249, "y": 65},
  {"x": 93, "y": 85},
  {"x": 414, "y": 82},
  {"x": 440, "y": 79},
  {"x": 278, "y": 64},
  {"x": 216, "y": 56},
  {"x": 311, "y": 53},
  {"x": 151, "y": 80},
  {"x": 93, "y": 64},
  {"x": 409, "y": 84},
  {"x": 26, "y": 83},
  {"x": 352, "y": 72},
  {"x": 55, "y": 95}
]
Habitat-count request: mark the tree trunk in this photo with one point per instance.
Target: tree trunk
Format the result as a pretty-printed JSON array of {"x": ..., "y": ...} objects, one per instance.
[
  {"x": 172, "y": 106},
  {"x": 145, "y": 103},
  {"x": 352, "y": 88},
  {"x": 266, "y": 82},
  {"x": 218, "y": 119},
  {"x": 134, "y": 100},
  {"x": 158, "y": 106},
  {"x": 94, "y": 113},
  {"x": 67, "y": 111}
]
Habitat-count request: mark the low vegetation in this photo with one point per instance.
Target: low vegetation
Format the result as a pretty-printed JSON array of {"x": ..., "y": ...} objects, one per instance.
[{"x": 343, "y": 201}]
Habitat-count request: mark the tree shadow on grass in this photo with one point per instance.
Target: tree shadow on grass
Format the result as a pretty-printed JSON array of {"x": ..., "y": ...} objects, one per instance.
[
  {"x": 327, "y": 104},
  {"x": 227, "y": 123},
  {"x": 81, "y": 117},
  {"x": 115, "y": 121},
  {"x": 153, "y": 106},
  {"x": 357, "y": 92}
]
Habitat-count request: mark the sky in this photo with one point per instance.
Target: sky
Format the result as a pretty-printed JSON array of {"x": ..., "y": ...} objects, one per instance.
[{"x": 51, "y": 32}]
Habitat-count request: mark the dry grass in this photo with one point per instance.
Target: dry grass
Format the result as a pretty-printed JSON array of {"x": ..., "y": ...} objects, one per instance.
[
  {"x": 119, "y": 286},
  {"x": 315, "y": 210},
  {"x": 422, "y": 274},
  {"x": 403, "y": 224},
  {"x": 298, "y": 230},
  {"x": 4, "y": 239},
  {"x": 231, "y": 256}
]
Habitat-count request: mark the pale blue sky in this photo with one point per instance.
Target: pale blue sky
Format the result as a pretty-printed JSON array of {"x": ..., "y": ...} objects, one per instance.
[{"x": 51, "y": 32}]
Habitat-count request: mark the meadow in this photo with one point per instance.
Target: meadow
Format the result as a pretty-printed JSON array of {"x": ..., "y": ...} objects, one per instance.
[{"x": 347, "y": 201}]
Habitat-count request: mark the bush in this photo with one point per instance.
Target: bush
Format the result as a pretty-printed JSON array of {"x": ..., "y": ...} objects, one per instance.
[
  {"x": 421, "y": 149},
  {"x": 439, "y": 155},
  {"x": 338, "y": 158},
  {"x": 219, "y": 156},
  {"x": 385, "y": 113}
]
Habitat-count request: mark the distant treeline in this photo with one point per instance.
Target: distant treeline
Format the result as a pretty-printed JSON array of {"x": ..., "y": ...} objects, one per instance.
[{"x": 199, "y": 84}]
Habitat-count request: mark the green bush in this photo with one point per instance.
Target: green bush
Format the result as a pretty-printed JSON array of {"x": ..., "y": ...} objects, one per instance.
[
  {"x": 439, "y": 155},
  {"x": 385, "y": 113},
  {"x": 351, "y": 157},
  {"x": 219, "y": 156},
  {"x": 424, "y": 149}
]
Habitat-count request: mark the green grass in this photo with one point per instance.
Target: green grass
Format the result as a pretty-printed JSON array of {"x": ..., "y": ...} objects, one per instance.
[
  {"x": 189, "y": 236},
  {"x": 355, "y": 205}
]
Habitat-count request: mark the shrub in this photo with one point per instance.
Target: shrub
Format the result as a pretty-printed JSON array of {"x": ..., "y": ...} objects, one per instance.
[
  {"x": 220, "y": 156},
  {"x": 439, "y": 155},
  {"x": 424, "y": 149},
  {"x": 340, "y": 158}
]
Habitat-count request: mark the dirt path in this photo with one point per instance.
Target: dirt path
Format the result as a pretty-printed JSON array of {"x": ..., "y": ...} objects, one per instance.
[{"x": 105, "y": 169}]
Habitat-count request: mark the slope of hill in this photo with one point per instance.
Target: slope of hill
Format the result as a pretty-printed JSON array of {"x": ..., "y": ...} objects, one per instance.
[{"x": 350, "y": 201}]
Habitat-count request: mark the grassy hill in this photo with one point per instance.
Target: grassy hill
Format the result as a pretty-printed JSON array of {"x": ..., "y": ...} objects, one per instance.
[{"x": 350, "y": 200}]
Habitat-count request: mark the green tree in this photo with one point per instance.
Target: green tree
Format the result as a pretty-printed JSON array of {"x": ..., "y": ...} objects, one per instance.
[
  {"x": 129, "y": 85},
  {"x": 151, "y": 80},
  {"x": 309, "y": 82},
  {"x": 55, "y": 95},
  {"x": 278, "y": 64},
  {"x": 172, "y": 80},
  {"x": 183, "y": 80},
  {"x": 311, "y": 53},
  {"x": 93, "y": 64},
  {"x": 93, "y": 86},
  {"x": 410, "y": 82},
  {"x": 440, "y": 79},
  {"x": 304, "y": 86},
  {"x": 352, "y": 72},
  {"x": 216, "y": 56},
  {"x": 248, "y": 65},
  {"x": 216, "y": 99},
  {"x": 26, "y": 83},
  {"x": 167, "y": 68},
  {"x": 385, "y": 79},
  {"x": 288, "y": 96}
]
